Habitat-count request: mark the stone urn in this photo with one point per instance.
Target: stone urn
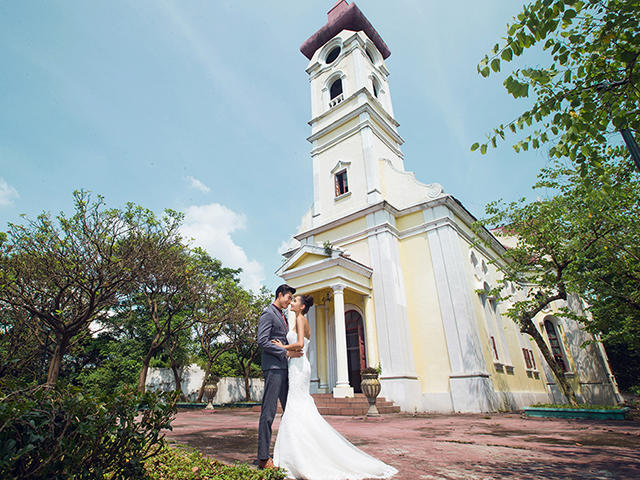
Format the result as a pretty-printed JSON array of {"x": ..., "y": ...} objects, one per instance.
[
  {"x": 210, "y": 390},
  {"x": 371, "y": 388}
]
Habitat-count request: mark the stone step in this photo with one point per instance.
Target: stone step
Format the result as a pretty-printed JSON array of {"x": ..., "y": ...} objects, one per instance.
[{"x": 358, "y": 405}]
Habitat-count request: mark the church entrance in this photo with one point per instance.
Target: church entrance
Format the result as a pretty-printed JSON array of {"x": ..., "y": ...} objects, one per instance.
[{"x": 356, "y": 355}]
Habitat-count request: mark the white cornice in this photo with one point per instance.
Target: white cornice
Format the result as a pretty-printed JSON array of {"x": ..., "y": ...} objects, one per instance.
[
  {"x": 453, "y": 204},
  {"x": 352, "y": 131},
  {"x": 382, "y": 116},
  {"x": 338, "y": 261}
]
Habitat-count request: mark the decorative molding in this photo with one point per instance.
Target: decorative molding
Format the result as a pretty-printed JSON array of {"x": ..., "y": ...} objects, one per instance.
[
  {"x": 339, "y": 166},
  {"x": 382, "y": 116},
  {"x": 341, "y": 197}
]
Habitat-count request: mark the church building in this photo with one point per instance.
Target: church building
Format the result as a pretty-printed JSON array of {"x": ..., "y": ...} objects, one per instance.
[{"x": 394, "y": 266}]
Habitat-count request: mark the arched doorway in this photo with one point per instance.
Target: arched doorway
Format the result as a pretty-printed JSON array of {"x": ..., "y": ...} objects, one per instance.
[{"x": 356, "y": 355}]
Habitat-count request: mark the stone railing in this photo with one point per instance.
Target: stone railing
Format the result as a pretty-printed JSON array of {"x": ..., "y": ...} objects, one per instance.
[{"x": 336, "y": 100}]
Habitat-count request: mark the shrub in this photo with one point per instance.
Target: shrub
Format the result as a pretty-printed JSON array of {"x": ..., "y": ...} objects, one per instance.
[
  {"x": 63, "y": 433},
  {"x": 178, "y": 463}
]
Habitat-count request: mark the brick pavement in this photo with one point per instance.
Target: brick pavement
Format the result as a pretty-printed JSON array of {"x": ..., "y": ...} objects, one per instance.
[{"x": 475, "y": 447}]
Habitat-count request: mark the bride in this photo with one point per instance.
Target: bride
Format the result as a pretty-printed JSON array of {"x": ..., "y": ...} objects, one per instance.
[{"x": 307, "y": 446}]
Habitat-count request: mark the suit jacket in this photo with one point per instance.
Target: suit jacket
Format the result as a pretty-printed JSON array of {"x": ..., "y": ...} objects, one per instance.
[{"x": 271, "y": 326}]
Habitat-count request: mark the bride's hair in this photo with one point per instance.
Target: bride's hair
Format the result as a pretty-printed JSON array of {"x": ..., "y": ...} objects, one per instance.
[{"x": 308, "y": 303}]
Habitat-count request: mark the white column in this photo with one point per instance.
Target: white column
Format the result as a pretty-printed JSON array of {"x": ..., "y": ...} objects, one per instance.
[
  {"x": 342, "y": 389},
  {"x": 470, "y": 384},
  {"x": 313, "y": 351}
]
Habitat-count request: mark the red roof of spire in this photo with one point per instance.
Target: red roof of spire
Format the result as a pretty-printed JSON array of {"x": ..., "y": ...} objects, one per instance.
[{"x": 343, "y": 16}]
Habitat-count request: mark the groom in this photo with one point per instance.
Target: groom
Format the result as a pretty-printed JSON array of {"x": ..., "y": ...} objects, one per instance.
[{"x": 273, "y": 325}]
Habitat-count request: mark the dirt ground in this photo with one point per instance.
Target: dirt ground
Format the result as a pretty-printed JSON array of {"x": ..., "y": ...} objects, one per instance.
[{"x": 495, "y": 446}]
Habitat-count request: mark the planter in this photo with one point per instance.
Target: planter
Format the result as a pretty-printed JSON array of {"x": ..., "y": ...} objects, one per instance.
[
  {"x": 588, "y": 413},
  {"x": 210, "y": 391},
  {"x": 371, "y": 388}
]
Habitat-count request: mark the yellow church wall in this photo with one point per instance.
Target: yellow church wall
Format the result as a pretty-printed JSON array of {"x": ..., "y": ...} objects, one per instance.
[
  {"x": 518, "y": 381},
  {"x": 342, "y": 231},
  {"x": 408, "y": 221},
  {"x": 427, "y": 332}
]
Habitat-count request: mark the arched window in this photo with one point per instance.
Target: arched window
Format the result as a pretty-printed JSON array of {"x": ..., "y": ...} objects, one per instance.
[
  {"x": 376, "y": 86},
  {"x": 554, "y": 341},
  {"x": 336, "y": 88}
]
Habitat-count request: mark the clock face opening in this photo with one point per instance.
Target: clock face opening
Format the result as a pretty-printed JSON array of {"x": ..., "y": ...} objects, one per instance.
[{"x": 333, "y": 54}]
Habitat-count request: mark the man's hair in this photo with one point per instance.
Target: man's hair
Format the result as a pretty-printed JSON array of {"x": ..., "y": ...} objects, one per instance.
[{"x": 284, "y": 289}]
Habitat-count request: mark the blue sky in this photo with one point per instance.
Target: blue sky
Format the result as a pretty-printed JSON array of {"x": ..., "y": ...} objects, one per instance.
[{"x": 202, "y": 106}]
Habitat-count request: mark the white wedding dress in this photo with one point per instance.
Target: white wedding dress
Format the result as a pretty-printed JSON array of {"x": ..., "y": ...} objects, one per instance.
[{"x": 307, "y": 446}]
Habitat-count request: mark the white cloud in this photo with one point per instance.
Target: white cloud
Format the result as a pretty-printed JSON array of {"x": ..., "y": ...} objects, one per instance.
[
  {"x": 198, "y": 185},
  {"x": 7, "y": 193},
  {"x": 210, "y": 227},
  {"x": 287, "y": 245}
]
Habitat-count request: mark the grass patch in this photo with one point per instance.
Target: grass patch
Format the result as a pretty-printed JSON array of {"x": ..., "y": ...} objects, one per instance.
[{"x": 182, "y": 463}]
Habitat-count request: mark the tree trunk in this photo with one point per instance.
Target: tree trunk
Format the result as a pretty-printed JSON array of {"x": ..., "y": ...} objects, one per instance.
[
  {"x": 247, "y": 386},
  {"x": 178, "y": 380},
  {"x": 565, "y": 386},
  {"x": 142, "y": 379},
  {"x": 56, "y": 360},
  {"x": 204, "y": 381}
]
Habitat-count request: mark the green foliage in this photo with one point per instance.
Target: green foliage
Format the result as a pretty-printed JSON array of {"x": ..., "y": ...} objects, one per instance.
[
  {"x": 624, "y": 360},
  {"x": 228, "y": 365},
  {"x": 64, "y": 433},
  {"x": 589, "y": 87},
  {"x": 110, "y": 362},
  {"x": 183, "y": 463},
  {"x": 583, "y": 241}
]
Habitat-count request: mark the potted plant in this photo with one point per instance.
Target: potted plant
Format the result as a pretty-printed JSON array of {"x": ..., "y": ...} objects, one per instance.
[
  {"x": 371, "y": 388},
  {"x": 210, "y": 390}
]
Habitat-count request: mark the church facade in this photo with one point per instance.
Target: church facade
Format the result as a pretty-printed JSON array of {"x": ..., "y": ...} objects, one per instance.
[{"x": 394, "y": 266}]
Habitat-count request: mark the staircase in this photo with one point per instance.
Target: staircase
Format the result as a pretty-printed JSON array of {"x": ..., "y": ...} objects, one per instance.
[{"x": 356, "y": 406}]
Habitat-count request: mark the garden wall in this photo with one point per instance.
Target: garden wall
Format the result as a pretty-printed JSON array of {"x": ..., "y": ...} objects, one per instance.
[{"x": 230, "y": 389}]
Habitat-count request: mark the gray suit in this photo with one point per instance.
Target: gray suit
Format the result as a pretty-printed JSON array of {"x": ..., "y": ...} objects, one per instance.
[{"x": 272, "y": 326}]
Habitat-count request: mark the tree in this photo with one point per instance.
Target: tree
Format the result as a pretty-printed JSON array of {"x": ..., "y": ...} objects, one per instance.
[
  {"x": 23, "y": 346},
  {"x": 242, "y": 332},
  {"x": 587, "y": 222},
  {"x": 68, "y": 272},
  {"x": 169, "y": 287},
  {"x": 589, "y": 89}
]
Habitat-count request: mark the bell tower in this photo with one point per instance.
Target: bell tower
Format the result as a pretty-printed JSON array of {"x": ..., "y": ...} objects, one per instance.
[{"x": 352, "y": 122}]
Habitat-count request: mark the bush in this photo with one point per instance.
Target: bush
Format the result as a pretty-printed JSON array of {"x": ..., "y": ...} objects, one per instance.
[
  {"x": 178, "y": 463},
  {"x": 63, "y": 433}
]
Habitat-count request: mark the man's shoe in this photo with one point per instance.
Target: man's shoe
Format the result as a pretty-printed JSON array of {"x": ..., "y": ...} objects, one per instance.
[{"x": 262, "y": 464}]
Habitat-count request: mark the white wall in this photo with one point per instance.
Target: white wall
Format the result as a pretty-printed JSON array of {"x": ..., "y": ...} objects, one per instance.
[{"x": 230, "y": 389}]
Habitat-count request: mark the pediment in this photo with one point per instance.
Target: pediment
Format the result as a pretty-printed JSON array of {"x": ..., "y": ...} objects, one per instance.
[
  {"x": 307, "y": 259},
  {"x": 341, "y": 165}
]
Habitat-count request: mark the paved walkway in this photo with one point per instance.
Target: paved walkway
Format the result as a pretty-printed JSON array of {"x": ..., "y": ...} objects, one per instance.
[{"x": 496, "y": 446}]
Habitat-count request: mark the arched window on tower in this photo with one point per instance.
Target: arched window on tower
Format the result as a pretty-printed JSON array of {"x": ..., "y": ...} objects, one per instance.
[
  {"x": 376, "y": 86},
  {"x": 335, "y": 92}
]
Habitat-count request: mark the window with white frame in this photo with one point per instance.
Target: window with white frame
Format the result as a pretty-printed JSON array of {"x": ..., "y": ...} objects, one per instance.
[{"x": 341, "y": 183}]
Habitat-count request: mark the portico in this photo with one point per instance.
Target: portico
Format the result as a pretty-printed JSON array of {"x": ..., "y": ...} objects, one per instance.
[{"x": 342, "y": 320}]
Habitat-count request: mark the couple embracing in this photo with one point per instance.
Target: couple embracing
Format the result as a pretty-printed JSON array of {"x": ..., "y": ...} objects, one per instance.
[{"x": 307, "y": 446}]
